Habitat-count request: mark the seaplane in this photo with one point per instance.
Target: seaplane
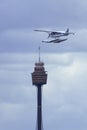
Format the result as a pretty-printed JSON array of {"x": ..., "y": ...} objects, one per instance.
[{"x": 56, "y": 35}]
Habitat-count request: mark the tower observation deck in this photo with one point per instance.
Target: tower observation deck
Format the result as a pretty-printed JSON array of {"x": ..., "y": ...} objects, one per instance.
[{"x": 39, "y": 78}]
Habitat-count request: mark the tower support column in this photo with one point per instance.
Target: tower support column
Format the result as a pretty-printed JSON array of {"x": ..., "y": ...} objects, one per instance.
[{"x": 39, "y": 109}]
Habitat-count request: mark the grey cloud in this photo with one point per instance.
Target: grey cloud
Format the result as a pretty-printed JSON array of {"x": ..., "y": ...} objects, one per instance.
[
  {"x": 13, "y": 116},
  {"x": 30, "y": 14},
  {"x": 16, "y": 41},
  {"x": 8, "y": 59}
]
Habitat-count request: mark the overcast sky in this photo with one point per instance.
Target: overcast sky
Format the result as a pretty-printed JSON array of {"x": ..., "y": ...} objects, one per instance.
[{"x": 65, "y": 95}]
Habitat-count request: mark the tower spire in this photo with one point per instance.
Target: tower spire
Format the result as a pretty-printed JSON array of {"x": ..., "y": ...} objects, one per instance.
[{"x": 39, "y": 52}]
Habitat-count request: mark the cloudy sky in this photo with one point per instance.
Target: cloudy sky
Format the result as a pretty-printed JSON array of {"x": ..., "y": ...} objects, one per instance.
[{"x": 65, "y": 95}]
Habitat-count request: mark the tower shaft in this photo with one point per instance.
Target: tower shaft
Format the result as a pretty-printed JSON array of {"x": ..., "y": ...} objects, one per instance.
[{"x": 39, "y": 107}]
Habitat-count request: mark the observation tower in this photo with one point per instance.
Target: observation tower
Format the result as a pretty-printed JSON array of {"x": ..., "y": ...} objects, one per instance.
[{"x": 39, "y": 78}]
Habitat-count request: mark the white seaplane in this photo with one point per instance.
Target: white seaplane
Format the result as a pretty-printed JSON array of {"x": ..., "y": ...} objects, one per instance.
[{"x": 56, "y": 35}]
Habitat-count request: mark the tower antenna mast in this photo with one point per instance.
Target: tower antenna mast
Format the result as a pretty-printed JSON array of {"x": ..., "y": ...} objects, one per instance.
[{"x": 39, "y": 53}]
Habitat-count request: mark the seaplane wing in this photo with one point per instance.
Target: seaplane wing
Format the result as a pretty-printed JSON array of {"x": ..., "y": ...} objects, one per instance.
[
  {"x": 50, "y": 32},
  {"x": 43, "y": 31},
  {"x": 54, "y": 41}
]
